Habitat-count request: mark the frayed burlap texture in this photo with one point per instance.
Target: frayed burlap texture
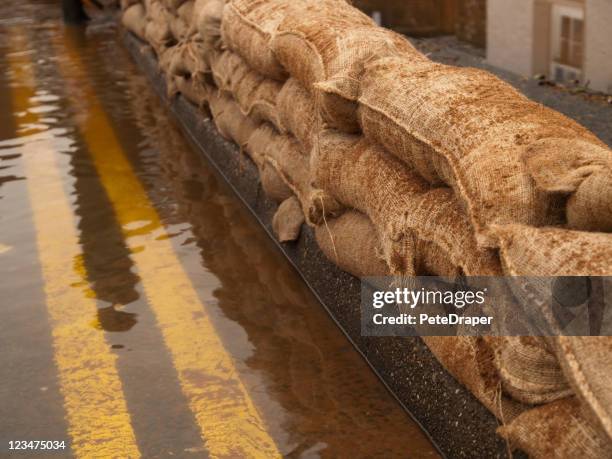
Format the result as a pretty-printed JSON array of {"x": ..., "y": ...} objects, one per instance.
[
  {"x": 529, "y": 372},
  {"x": 194, "y": 91},
  {"x": 401, "y": 205},
  {"x": 256, "y": 94},
  {"x": 227, "y": 67},
  {"x": 284, "y": 153},
  {"x": 556, "y": 430},
  {"x": 297, "y": 113},
  {"x": 465, "y": 128},
  {"x": 288, "y": 219},
  {"x": 188, "y": 60},
  {"x": 134, "y": 20},
  {"x": 207, "y": 17},
  {"x": 350, "y": 242},
  {"x": 577, "y": 169},
  {"x": 247, "y": 27}
]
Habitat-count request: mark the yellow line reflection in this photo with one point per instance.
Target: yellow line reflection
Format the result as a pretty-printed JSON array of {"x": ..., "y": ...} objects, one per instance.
[
  {"x": 98, "y": 420},
  {"x": 229, "y": 422}
]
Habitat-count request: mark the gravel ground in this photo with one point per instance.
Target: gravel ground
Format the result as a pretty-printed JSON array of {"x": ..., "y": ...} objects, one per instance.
[{"x": 591, "y": 110}]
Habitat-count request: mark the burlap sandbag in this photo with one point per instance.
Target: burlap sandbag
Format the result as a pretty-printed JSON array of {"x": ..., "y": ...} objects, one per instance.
[
  {"x": 172, "y": 5},
  {"x": 258, "y": 142},
  {"x": 178, "y": 27},
  {"x": 256, "y": 94},
  {"x": 350, "y": 242},
  {"x": 528, "y": 251},
  {"x": 556, "y": 430},
  {"x": 324, "y": 45},
  {"x": 247, "y": 27},
  {"x": 185, "y": 12},
  {"x": 188, "y": 60},
  {"x": 468, "y": 129},
  {"x": 401, "y": 205},
  {"x": 587, "y": 364},
  {"x": 579, "y": 169},
  {"x": 529, "y": 372},
  {"x": 585, "y": 361},
  {"x": 134, "y": 20},
  {"x": 470, "y": 360},
  {"x": 297, "y": 113},
  {"x": 284, "y": 153},
  {"x": 157, "y": 30},
  {"x": 227, "y": 67},
  {"x": 230, "y": 121},
  {"x": 207, "y": 18},
  {"x": 288, "y": 219},
  {"x": 273, "y": 184},
  {"x": 194, "y": 91},
  {"x": 164, "y": 59}
]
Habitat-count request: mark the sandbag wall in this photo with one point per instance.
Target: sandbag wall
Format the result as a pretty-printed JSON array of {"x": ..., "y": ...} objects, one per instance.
[{"x": 409, "y": 167}]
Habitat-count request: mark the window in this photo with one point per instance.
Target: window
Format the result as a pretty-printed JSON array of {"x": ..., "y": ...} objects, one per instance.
[
  {"x": 571, "y": 42},
  {"x": 568, "y": 36}
]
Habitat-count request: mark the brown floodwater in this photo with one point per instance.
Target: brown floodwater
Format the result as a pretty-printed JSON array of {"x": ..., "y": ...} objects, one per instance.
[{"x": 143, "y": 311}]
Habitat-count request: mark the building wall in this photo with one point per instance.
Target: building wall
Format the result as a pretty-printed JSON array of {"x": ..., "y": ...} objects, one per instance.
[
  {"x": 598, "y": 45},
  {"x": 471, "y": 22},
  {"x": 541, "y": 53},
  {"x": 510, "y": 35}
]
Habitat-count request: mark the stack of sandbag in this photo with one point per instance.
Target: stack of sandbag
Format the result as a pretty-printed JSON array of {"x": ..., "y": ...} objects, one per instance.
[
  {"x": 508, "y": 159},
  {"x": 134, "y": 17},
  {"x": 408, "y": 167},
  {"x": 173, "y": 30}
]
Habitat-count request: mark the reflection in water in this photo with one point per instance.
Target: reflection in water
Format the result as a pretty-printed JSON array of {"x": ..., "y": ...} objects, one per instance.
[
  {"x": 112, "y": 320},
  {"x": 314, "y": 392},
  {"x": 328, "y": 395}
]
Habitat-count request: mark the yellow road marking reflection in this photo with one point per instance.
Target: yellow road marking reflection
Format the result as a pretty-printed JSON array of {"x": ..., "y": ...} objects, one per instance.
[
  {"x": 98, "y": 420},
  {"x": 229, "y": 422}
]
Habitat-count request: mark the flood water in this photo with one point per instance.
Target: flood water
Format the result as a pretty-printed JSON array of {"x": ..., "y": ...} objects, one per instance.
[{"x": 143, "y": 311}]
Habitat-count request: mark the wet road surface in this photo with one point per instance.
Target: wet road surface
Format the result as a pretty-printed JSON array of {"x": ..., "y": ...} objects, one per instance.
[{"x": 143, "y": 311}]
